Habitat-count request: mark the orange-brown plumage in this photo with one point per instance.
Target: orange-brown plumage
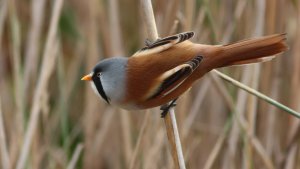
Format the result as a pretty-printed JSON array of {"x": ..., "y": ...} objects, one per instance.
[
  {"x": 164, "y": 69},
  {"x": 143, "y": 71}
]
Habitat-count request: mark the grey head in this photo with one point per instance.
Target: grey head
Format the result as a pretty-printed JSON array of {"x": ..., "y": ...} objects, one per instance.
[{"x": 108, "y": 79}]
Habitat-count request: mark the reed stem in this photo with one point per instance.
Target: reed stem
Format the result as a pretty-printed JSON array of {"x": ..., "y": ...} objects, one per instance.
[{"x": 170, "y": 118}]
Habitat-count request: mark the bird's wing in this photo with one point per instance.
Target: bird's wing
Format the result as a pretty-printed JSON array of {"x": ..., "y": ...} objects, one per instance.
[
  {"x": 163, "y": 44},
  {"x": 175, "y": 77}
]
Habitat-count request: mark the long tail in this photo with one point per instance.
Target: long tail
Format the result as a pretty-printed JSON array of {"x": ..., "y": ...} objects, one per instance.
[{"x": 252, "y": 50}]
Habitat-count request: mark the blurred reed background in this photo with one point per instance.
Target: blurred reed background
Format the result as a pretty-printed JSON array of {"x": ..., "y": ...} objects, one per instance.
[{"x": 51, "y": 119}]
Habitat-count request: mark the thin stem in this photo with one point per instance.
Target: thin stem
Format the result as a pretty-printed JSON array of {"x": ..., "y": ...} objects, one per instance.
[
  {"x": 149, "y": 19},
  {"x": 49, "y": 58},
  {"x": 75, "y": 156},
  {"x": 139, "y": 140},
  {"x": 177, "y": 140},
  {"x": 170, "y": 118},
  {"x": 258, "y": 94},
  {"x": 3, "y": 145}
]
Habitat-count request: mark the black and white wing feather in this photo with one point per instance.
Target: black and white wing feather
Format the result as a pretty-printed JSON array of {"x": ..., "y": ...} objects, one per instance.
[
  {"x": 163, "y": 44},
  {"x": 175, "y": 77}
]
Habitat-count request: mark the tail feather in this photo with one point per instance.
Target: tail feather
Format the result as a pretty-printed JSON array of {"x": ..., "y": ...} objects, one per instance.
[
  {"x": 250, "y": 61},
  {"x": 252, "y": 50}
]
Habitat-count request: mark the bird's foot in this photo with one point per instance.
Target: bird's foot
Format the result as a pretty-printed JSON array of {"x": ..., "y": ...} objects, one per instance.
[{"x": 165, "y": 108}]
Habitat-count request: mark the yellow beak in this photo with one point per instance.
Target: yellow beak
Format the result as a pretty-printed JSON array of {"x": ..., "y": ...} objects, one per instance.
[{"x": 87, "y": 77}]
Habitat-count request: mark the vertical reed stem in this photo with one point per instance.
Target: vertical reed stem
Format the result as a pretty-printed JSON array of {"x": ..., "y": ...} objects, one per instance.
[
  {"x": 170, "y": 118},
  {"x": 49, "y": 57},
  {"x": 5, "y": 160}
]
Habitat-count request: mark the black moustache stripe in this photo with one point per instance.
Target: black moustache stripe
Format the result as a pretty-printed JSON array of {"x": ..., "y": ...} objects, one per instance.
[{"x": 100, "y": 89}]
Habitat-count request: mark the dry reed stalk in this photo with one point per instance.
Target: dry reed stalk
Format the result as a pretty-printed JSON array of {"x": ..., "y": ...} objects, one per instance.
[
  {"x": 170, "y": 26},
  {"x": 153, "y": 143},
  {"x": 17, "y": 72},
  {"x": 154, "y": 153},
  {"x": 235, "y": 131},
  {"x": 62, "y": 108},
  {"x": 184, "y": 103},
  {"x": 174, "y": 140},
  {"x": 38, "y": 151},
  {"x": 291, "y": 157},
  {"x": 72, "y": 79},
  {"x": 115, "y": 29},
  {"x": 5, "y": 159},
  {"x": 191, "y": 150},
  {"x": 272, "y": 118},
  {"x": 255, "y": 143},
  {"x": 3, "y": 15},
  {"x": 271, "y": 22},
  {"x": 100, "y": 135},
  {"x": 174, "y": 28},
  {"x": 49, "y": 57},
  {"x": 292, "y": 141},
  {"x": 189, "y": 121},
  {"x": 149, "y": 20},
  {"x": 189, "y": 14},
  {"x": 252, "y": 100},
  {"x": 222, "y": 90},
  {"x": 238, "y": 12},
  {"x": 294, "y": 132},
  {"x": 251, "y": 116},
  {"x": 126, "y": 134},
  {"x": 91, "y": 104},
  {"x": 212, "y": 157},
  {"x": 32, "y": 44},
  {"x": 116, "y": 43},
  {"x": 75, "y": 156},
  {"x": 132, "y": 163},
  {"x": 199, "y": 21},
  {"x": 170, "y": 119},
  {"x": 243, "y": 125},
  {"x": 36, "y": 108},
  {"x": 4, "y": 148},
  {"x": 216, "y": 150},
  {"x": 267, "y": 161},
  {"x": 231, "y": 158},
  {"x": 262, "y": 153},
  {"x": 103, "y": 17},
  {"x": 67, "y": 80}
]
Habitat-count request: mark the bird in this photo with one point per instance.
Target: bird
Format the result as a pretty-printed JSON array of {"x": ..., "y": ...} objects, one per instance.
[{"x": 164, "y": 69}]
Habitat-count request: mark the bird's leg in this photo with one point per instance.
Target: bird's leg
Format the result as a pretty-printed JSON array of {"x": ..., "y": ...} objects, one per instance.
[{"x": 165, "y": 108}]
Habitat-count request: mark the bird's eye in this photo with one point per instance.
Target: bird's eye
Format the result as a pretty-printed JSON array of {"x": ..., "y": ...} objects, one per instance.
[{"x": 99, "y": 74}]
